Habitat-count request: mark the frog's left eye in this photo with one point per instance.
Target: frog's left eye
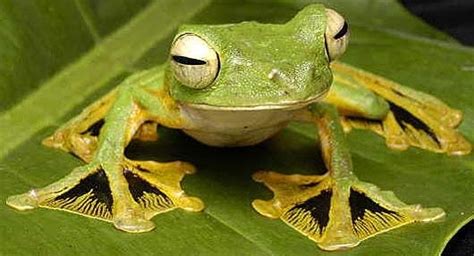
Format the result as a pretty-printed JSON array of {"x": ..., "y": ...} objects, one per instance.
[
  {"x": 337, "y": 34},
  {"x": 195, "y": 64}
]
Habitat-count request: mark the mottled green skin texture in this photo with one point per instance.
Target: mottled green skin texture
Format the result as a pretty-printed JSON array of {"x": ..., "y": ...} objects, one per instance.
[{"x": 249, "y": 51}]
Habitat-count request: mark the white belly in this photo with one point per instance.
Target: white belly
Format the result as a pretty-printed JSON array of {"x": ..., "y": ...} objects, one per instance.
[{"x": 229, "y": 128}]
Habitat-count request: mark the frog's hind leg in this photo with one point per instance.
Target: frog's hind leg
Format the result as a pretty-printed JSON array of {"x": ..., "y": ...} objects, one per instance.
[
  {"x": 125, "y": 192},
  {"x": 413, "y": 118},
  {"x": 111, "y": 187},
  {"x": 79, "y": 136},
  {"x": 336, "y": 210},
  {"x": 128, "y": 195}
]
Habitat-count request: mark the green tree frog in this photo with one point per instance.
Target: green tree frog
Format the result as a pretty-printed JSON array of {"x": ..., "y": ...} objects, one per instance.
[{"x": 238, "y": 85}]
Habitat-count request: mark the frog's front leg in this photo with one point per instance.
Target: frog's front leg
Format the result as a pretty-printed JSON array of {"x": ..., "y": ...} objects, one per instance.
[
  {"x": 335, "y": 210},
  {"x": 111, "y": 187},
  {"x": 80, "y": 135}
]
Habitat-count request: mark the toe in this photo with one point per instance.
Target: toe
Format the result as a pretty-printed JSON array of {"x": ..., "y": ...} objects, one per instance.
[
  {"x": 187, "y": 167},
  {"x": 192, "y": 204},
  {"x": 266, "y": 208},
  {"x": 133, "y": 224},
  {"x": 427, "y": 214},
  {"x": 260, "y": 176},
  {"x": 23, "y": 202}
]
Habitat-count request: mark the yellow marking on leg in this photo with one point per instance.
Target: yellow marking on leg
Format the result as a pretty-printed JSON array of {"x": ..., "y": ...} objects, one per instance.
[
  {"x": 439, "y": 118},
  {"x": 71, "y": 136},
  {"x": 389, "y": 90},
  {"x": 147, "y": 132},
  {"x": 395, "y": 137}
]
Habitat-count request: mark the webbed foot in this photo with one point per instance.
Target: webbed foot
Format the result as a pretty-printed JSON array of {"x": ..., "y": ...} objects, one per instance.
[
  {"x": 128, "y": 194},
  {"x": 336, "y": 214},
  {"x": 414, "y": 119}
]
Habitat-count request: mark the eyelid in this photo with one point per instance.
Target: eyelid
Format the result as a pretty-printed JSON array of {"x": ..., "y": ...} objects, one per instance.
[{"x": 343, "y": 31}]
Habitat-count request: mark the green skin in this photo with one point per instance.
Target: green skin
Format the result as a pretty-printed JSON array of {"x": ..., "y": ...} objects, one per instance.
[{"x": 248, "y": 52}]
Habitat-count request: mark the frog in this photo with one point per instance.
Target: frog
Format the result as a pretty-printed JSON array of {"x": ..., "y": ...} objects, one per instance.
[{"x": 237, "y": 85}]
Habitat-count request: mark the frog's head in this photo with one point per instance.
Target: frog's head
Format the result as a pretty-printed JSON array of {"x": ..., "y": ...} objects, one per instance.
[{"x": 257, "y": 66}]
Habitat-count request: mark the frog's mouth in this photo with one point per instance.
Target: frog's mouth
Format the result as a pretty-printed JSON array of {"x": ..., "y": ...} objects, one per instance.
[{"x": 283, "y": 105}]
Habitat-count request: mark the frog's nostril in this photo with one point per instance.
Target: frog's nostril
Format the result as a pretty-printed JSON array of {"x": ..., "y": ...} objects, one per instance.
[
  {"x": 279, "y": 78},
  {"x": 274, "y": 74}
]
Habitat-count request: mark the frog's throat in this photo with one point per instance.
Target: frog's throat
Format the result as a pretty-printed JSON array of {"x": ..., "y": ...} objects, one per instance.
[{"x": 283, "y": 105}]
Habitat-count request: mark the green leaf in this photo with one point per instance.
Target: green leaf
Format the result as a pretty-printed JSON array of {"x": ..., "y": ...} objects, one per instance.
[{"x": 58, "y": 56}]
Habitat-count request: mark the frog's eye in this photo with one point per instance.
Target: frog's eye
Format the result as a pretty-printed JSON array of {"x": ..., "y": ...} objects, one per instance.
[
  {"x": 195, "y": 64},
  {"x": 337, "y": 34}
]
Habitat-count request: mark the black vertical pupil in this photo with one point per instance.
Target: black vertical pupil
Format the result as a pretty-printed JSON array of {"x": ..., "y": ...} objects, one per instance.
[
  {"x": 342, "y": 32},
  {"x": 187, "y": 61}
]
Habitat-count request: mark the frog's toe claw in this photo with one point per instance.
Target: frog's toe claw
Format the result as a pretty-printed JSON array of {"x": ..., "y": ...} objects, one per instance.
[
  {"x": 339, "y": 215},
  {"x": 192, "y": 204},
  {"x": 23, "y": 202},
  {"x": 460, "y": 147},
  {"x": 133, "y": 223},
  {"x": 259, "y": 176},
  {"x": 266, "y": 208},
  {"x": 397, "y": 142}
]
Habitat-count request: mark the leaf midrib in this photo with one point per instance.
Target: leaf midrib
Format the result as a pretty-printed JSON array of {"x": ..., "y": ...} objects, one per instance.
[{"x": 88, "y": 20}]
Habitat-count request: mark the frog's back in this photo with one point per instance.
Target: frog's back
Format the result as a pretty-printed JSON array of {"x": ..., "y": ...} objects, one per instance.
[{"x": 234, "y": 128}]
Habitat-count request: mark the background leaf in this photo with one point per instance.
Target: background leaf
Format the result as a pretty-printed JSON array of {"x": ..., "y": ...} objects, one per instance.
[{"x": 58, "y": 56}]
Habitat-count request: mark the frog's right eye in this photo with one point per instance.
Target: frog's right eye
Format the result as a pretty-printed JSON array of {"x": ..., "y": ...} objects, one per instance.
[
  {"x": 337, "y": 34},
  {"x": 195, "y": 64}
]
